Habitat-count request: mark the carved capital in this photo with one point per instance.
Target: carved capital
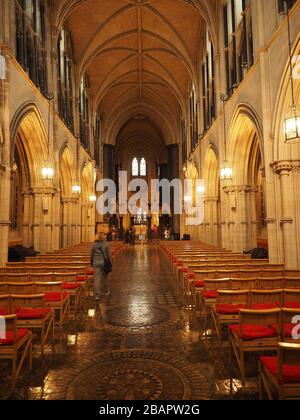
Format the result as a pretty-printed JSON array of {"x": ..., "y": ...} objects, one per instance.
[
  {"x": 286, "y": 220},
  {"x": 282, "y": 167},
  {"x": 270, "y": 221}
]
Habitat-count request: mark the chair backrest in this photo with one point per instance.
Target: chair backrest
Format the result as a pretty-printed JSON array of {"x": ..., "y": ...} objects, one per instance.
[
  {"x": 249, "y": 272},
  {"x": 79, "y": 269},
  {"x": 292, "y": 273},
  {"x": 39, "y": 277},
  {"x": 45, "y": 287},
  {"x": 243, "y": 283},
  {"x": 11, "y": 325},
  {"x": 234, "y": 297},
  {"x": 291, "y": 282},
  {"x": 207, "y": 274},
  {"x": 291, "y": 298},
  {"x": 270, "y": 283},
  {"x": 5, "y": 302},
  {"x": 27, "y": 301},
  {"x": 65, "y": 277},
  {"x": 260, "y": 317},
  {"x": 272, "y": 272},
  {"x": 216, "y": 284},
  {"x": 222, "y": 274},
  {"x": 290, "y": 323},
  {"x": 2, "y": 288},
  {"x": 19, "y": 288},
  {"x": 265, "y": 297},
  {"x": 17, "y": 277},
  {"x": 288, "y": 354}
]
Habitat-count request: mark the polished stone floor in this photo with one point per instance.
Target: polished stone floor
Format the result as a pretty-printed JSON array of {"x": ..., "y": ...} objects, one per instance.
[{"x": 137, "y": 344}]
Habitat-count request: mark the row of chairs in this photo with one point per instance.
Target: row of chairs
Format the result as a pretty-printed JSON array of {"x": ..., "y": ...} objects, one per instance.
[
  {"x": 257, "y": 320},
  {"x": 37, "y": 295},
  {"x": 225, "y": 309}
]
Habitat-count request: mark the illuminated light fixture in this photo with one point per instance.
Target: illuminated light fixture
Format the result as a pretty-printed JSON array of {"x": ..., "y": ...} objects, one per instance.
[
  {"x": 184, "y": 168},
  {"x": 226, "y": 170},
  {"x": 292, "y": 121},
  {"x": 201, "y": 189},
  {"x": 92, "y": 199},
  {"x": 76, "y": 189},
  {"x": 47, "y": 170},
  {"x": 187, "y": 198},
  {"x": 47, "y": 173}
]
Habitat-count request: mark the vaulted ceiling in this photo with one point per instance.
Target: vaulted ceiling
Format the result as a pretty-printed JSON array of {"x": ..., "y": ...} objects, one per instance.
[{"x": 140, "y": 56}]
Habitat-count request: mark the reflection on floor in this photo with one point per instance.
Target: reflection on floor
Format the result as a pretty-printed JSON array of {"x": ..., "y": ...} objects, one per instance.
[{"x": 137, "y": 344}]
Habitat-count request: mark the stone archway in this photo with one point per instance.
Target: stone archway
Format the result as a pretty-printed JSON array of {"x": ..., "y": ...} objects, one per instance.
[
  {"x": 31, "y": 197},
  {"x": 87, "y": 207},
  {"x": 244, "y": 197}
]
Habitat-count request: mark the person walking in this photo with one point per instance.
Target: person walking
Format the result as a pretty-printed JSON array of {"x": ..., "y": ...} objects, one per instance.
[{"x": 100, "y": 255}]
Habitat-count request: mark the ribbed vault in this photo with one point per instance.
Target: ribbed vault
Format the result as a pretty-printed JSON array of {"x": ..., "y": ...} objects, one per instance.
[{"x": 138, "y": 54}]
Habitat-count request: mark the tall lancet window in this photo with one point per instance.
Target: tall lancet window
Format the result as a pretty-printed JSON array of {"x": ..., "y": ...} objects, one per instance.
[
  {"x": 143, "y": 167},
  {"x": 135, "y": 167}
]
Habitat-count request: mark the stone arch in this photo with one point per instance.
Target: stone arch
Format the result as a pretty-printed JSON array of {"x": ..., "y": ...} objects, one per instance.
[
  {"x": 28, "y": 127},
  {"x": 245, "y": 195}
]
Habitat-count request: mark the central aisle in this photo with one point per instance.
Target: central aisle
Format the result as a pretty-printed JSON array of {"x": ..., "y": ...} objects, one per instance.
[{"x": 137, "y": 344}]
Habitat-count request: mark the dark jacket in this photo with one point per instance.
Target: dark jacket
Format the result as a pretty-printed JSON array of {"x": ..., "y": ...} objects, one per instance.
[{"x": 100, "y": 250}]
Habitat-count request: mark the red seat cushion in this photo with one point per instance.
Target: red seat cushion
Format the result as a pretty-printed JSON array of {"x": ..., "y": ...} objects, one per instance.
[
  {"x": 90, "y": 271},
  {"x": 252, "y": 332},
  {"x": 264, "y": 306},
  {"x": 32, "y": 313},
  {"x": 4, "y": 311},
  {"x": 209, "y": 294},
  {"x": 71, "y": 286},
  {"x": 229, "y": 309},
  {"x": 55, "y": 296},
  {"x": 192, "y": 276},
  {"x": 291, "y": 373},
  {"x": 292, "y": 305},
  {"x": 199, "y": 283},
  {"x": 82, "y": 278},
  {"x": 9, "y": 340}
]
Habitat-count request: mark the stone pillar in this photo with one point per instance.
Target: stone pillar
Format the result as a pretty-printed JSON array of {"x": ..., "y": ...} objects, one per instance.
[
  {"x": 288, "y": 172},
  {"x": 4, "y": 162}
]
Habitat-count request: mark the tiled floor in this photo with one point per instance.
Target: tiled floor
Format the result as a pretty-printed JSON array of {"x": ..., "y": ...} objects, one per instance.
[{"x": 137, "y": 344}]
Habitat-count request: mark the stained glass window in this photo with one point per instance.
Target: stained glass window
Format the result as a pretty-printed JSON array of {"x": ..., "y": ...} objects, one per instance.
[
  {"x": 135, "y": 167},
  {"x": 143, "y": 167}
]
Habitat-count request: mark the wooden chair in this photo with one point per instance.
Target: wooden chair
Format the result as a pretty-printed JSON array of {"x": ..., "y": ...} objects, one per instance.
[
  {"x": 55, "y": 298},
  {"x": 16, "y": 346},
  {"x": 41, "y": 277},
  {"x": 272, "y": 272},
  {"x": 270, "y": 283},
  {"x": 223, "y": 274},
  {"x": 20, "y": 288},
  {"x": 291, "y": 298},
  {"x": 281, "y": 372},
  {"x": 5, "y": 307},
  {"x": 249, "y": 272},
  {"x": 292, "y": 273},
  {"x": 290, "y": 325},
  {"x": 208, "y": 295},
  {"x": 2, "y": 288},
  {"x": 254, "y": 333},
  {"x": 265, "y": 299},
  {"x": 72, "y": 287},
  {"x": 227, "y": 308},
  {"x": 17, "y": 277},
  {"x": 33, "y": 314},
  {"x": 291, "y": 282},
  {"x": 242, "y": 283}
]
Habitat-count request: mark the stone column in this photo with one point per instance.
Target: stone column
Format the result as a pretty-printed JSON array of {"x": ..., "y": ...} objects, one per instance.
[
  {"x": 4, "y": 161},
  {"x": 286, "y": 170}
]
